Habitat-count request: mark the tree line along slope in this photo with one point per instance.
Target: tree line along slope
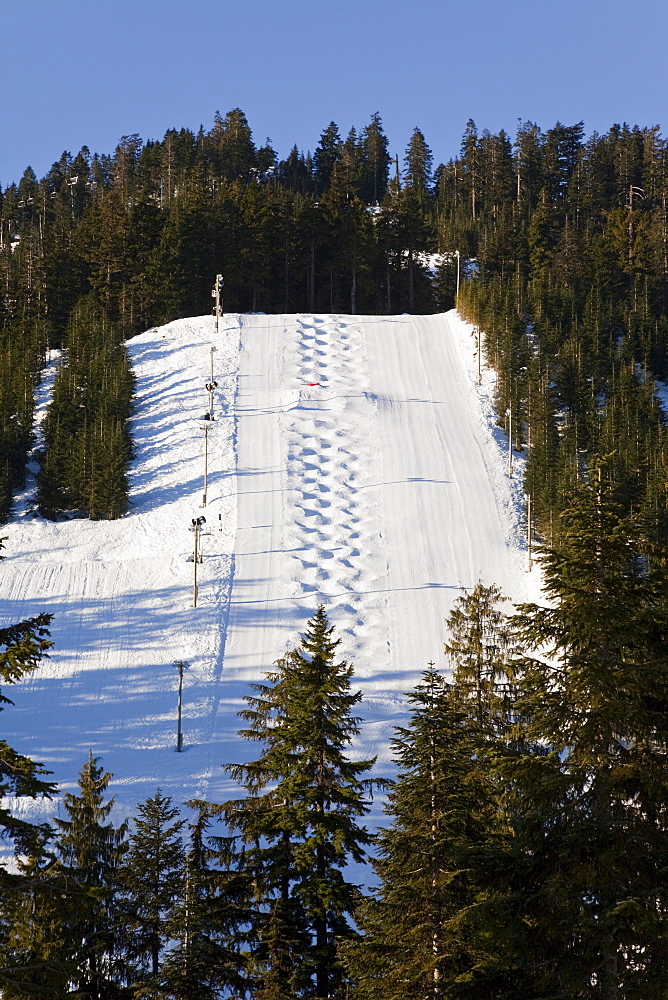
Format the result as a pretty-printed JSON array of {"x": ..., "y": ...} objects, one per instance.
[{"x": 351, "y": 461}]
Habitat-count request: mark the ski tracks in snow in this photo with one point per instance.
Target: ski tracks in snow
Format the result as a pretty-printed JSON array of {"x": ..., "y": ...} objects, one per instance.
[
  {"x": 332, "y": 523},
  {"x": 351, "y": 465}
]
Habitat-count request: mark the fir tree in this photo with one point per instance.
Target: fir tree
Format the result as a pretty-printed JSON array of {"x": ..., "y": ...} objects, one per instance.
[
  {"x": 152, "y": 879},
  {"x": 418, "y": 162},
  {"x": 29, "y": 960},
  {"x": 38, "y": 906},
  {"x": 91, "y": 851},
  {"x": 299, "y": 820},
  {"x": 24, "y": 646},
  {"x": 232, "y": 139},
  {"x": 326, "y": 155},
  {"x": 441, "y": 813},
  {"x": 591, "y": 801},
  {"x": 209, "y": 923},
  {"x": 376, "y": 161},
  {"x": 480, "y": 649}
]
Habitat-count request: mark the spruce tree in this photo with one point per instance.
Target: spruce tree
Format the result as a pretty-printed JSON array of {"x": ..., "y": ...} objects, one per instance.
[
  {"x": 591, "y": 800},
  {"x": 441, "y": 813},
  {"x": 86, "y": 427},
  {"x": 300, "y": 818},
  {"x": 376, "y": 161},
  {"x": 209, "y": 923},
  {"x": 91, "y": 850},
  {"x": 480, "y": 649},
  {"x": 23, "y": 646},
  {"x": 327, "y": 154},
  {"x": 28, "y": 958},
  {"x": 418, "y": 162},
  {"x": 232, "y": 140},
  {"x": 38, "y": 906},
  {"x": 152, "y": 879}
]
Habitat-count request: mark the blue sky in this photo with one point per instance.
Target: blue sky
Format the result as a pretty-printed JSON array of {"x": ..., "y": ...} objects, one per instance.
[{"x": 77, "y": 72}]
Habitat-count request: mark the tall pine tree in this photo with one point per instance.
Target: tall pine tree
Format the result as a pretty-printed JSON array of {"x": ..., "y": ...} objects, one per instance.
[
  {"x": 441, "y": 811},
  {"x": 91, "y": 850},
  {"x": 300, "y": 817},
  {"x": 591, "y": 801}
]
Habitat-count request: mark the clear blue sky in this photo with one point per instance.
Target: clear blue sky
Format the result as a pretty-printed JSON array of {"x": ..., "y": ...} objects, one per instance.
[{"x": 77, "y": 72}]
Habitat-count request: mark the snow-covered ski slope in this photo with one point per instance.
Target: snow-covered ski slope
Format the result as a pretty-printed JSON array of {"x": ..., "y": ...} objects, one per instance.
[{"x": 353, "y": 461}]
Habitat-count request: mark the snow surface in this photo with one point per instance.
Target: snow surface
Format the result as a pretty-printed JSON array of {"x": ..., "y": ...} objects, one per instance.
[{"x": 353, "y": 461}]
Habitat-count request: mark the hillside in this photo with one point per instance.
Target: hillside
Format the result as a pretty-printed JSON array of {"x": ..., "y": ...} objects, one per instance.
[{"x": 352, "y": 460}]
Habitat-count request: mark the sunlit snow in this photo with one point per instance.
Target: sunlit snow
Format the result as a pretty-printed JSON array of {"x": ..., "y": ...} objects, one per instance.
[{"x": 353, "y": 461}]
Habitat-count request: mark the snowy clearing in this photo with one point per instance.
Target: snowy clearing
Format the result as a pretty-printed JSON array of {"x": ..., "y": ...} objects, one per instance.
[{"x": 353, "y": 461}]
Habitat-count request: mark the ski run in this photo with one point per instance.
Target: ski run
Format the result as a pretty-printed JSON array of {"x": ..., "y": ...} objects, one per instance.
[{"x": 352, "y": 461}]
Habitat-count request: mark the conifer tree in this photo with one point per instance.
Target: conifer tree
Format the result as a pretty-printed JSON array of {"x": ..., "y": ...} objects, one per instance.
[
  {"x": 441, "y": 813},
  {"x": 418, "y": 162},
  {"x": 29, "y": 957},
  {"x": 300, "y": 819},
  {"x": 152, "y": 880},
  {"x": 327, "y": 153},
  {"x": 86, "y": 427},
  {"x": 376, "y": 161},
  {"x": 591, "y": 801},
  {"x": 480, "y": 649},
  {"x": 235, "y": 150},
  {"x": 91, "y": 850},
  {"x": 38, "y": 905},
  {"x": 209, "y": 922},
  {"x": 23, "y": 647}
]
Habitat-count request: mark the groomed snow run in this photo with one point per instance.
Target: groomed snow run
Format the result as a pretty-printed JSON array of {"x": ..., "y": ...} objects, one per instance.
[{"x": 353, "y": 461}]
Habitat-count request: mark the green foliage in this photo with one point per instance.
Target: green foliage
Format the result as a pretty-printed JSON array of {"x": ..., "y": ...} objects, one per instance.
[
  {"x": 152, "y": 880},
  {"x": 209, "y": 923},
  {"x": 37, "y": 906},
  {"x": 570, "y": 298},
  {"x": 480, "y": 650},
  {"x": 87, "y": 444},
  {"x": 442, "y": 818},
  {"x": 591, "y": 800},
  {"x": 22, "y": 349},
  {"x": 24, "y": 646},
  {"x": 418, "y": 162},
  {"x": 91, "y": 849},
  {"x": 299, "y": 822}
]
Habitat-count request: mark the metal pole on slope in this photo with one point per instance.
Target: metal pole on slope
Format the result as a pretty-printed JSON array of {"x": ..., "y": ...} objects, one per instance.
[
  {"x": 180, "y": 666},
  {"x": 195, "y": 554},
  {"x": 509, "y": 414},
  {"x": 479, "y": 356},
  {"x": 216, "y": 295},
  {"x": 213, "y": 350},
  {"x": 457, "y": 255},
  {"x": 478, "y": 341},
  {"x": 210, "y": 387},
  {"x": 206, "y": 461},
  {"x": 529, "y": 532},
  {"x": 197, "y": 523}
]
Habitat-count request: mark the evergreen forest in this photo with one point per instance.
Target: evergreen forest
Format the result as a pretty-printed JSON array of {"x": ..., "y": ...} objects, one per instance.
[
  {"x": 555, "y": 245},
  {"x": 524, "y": 854}
]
